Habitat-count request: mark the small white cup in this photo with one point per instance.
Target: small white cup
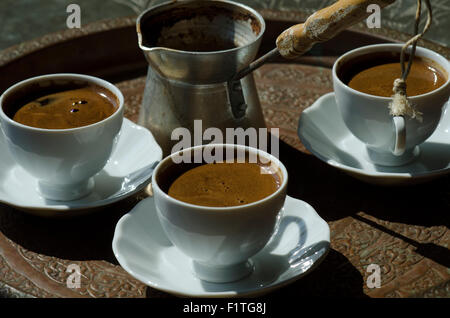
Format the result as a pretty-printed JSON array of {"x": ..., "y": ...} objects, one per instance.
[
  {"x": 220, "y": 240},
  {"x": 62, "y": 160},
  {"x": 390, "y": 141}
]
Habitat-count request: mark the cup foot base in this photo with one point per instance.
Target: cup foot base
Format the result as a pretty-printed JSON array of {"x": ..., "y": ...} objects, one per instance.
[
  {"x": 390, "y": 160},
  {"x": 222, "y": 274},
  {"x": 66, "y": 192}
]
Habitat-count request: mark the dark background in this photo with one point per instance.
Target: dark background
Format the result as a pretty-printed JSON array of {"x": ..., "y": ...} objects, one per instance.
[{"x": 24, "y": 20}]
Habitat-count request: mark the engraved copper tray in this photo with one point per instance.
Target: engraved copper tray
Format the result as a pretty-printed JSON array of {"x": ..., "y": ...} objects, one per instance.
[{"x": 404, "y": 230}]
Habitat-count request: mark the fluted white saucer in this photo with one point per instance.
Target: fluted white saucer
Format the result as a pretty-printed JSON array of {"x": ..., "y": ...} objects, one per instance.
[
  {"x": 128, "y": 170},
  {"x": 323, "y": 132},
  {"x": 298, "y": 246}
]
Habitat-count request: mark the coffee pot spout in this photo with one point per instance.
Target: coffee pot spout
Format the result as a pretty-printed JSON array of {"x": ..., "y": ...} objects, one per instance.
[{"x": 200, "y": 42}]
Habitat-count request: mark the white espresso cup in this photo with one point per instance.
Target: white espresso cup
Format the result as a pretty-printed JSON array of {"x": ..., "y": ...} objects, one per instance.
[
  {"x": 390, "y": 140},
  {"x": 219, "y": 240},
  {"x": 63, "y": 161}
]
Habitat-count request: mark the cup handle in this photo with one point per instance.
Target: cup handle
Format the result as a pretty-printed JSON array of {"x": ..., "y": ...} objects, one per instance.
[{"x": 400, "y": 135}]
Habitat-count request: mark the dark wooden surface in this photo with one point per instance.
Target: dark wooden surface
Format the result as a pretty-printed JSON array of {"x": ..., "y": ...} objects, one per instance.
[{"x": 403, "y": 229}]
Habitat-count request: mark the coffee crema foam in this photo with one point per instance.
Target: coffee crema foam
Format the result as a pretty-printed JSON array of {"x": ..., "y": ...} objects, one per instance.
[
  {"x": 67, "y": 109},
  {"x": 378, "y": 80},
  {"x": 224, "y": 184}
]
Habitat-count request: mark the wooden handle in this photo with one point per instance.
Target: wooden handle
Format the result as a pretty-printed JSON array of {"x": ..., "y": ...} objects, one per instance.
[{"x": 324, "y": 25}]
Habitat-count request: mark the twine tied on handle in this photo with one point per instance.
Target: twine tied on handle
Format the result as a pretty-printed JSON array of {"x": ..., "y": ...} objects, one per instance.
[{"x": 400, "y": 105}]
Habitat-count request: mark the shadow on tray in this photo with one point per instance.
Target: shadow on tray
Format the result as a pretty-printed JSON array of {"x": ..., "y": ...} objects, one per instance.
[
  {"x": 336, "y": 196},
  {"x": 88, "y": 237}
]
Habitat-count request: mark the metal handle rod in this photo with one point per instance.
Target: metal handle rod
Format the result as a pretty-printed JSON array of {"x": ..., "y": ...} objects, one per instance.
[
  {"x": 256, "y": 64},
  {"x": 319, "y": 27}
]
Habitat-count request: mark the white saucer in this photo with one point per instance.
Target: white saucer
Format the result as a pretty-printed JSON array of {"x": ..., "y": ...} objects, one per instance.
[
  {"x": 128, "y": 170},
  {"x": 143, "y": 250},
  {"x": 323, "y": 132}
]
